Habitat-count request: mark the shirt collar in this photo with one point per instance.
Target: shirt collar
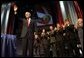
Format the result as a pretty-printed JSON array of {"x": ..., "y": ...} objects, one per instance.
[{"x": 29, "y": 19}]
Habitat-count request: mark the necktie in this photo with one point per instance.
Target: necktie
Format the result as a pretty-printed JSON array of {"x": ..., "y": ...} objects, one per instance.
[{"x": 28, "y": 23}]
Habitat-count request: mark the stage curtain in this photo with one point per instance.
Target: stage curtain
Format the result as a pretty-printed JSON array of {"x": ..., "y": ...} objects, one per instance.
[
  {"x": 68, "y": 11},
  {"x": 59, "y": 14},
  {"x": 5, "y": 11},
  {"x": 10, "y": 27},
  {"x": 78, "y": 9},
  {"x": 72, "y": 12}
]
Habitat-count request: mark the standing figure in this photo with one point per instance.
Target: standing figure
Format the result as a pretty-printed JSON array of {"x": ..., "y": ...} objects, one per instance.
[
  {"x": 80, "y": 30},
  {"x": 79, "y": 27},
  {"x": 28, "y": 34},
  {"x": 59, "y": 40},
  {"x": 70, "y": 40},
  {"x": 52, "y": 41},
  {"x": 44, "y": 44},
  {"x": 36, "y": 44}
]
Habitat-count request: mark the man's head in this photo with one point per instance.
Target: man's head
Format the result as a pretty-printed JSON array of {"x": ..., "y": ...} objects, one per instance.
[
  {"x": 51, "y": 27},
  {"x": 27, "y": 15},
  {"x": 80, "y": 22},
  {"x": 58, "y": 25},
  {"x": 67, "y": 22},
  {"x": 43, "y": 30}
]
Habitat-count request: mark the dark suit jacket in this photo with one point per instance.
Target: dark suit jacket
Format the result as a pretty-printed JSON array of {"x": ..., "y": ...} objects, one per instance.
[{"x": 28, "y": 30}]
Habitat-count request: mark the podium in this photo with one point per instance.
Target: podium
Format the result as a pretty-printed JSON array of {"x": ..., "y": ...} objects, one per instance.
[{"x": 8, "y": 45}]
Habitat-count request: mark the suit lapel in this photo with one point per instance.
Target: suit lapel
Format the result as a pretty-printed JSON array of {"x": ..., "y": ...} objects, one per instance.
[
  {"x": 30, "y": 23},
  {"x": 26, "y": 23}
]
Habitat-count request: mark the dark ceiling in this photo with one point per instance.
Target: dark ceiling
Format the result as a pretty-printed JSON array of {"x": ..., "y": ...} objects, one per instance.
[
  {"x": 28, "y": 1},
  {"x": 35, "y": 1}
]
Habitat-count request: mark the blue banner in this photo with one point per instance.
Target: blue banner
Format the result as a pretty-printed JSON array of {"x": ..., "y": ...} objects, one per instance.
[{"x": 44, "y": 18}]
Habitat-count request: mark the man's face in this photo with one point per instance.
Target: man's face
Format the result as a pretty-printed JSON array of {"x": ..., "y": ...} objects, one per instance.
[
  {"x": 43, "y": 30},
  {"x": 51, "y": 27},
  {"x": 80, "y": 22},
  {"x": 67, "y": 22},
  {"x": 27, "y": 14},
  {"x": 58, "y": 25}
]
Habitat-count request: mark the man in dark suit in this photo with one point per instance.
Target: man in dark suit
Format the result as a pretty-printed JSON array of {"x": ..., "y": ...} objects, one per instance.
[
  {"x": 28, "y": 34},
  {"x": 70, "y": 39}
]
